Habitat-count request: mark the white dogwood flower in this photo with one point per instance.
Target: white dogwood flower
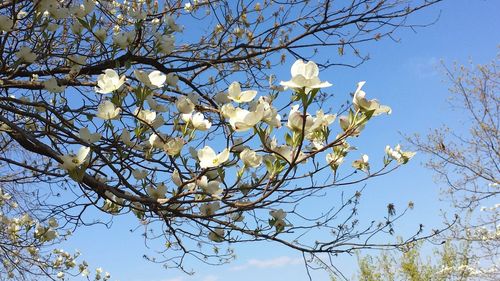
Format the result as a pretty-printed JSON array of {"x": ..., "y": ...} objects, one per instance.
[
  {"x": 361, "y": 103},
  {"x": 173, "y": 146},
  {"x": 305, "y": 75},
  {"x": 153, "y": 79},
  {"x": 250, "y": 158},
  {"x": 210, "y": 187},
  {"x": 107, "y": 110},
  {"x": 109, "y": 82},
  {"x": 242, "y": 120},
  {"x": 25, "y": 54},
  {"x": 235, "y": 94},
  {"x": 184, "y": 105},
  {"x": 6, "y": 23},
  {"x": 72, "y": 161},
  {"x": 208, "y": 158},
  {"x": 197, "y": 121},
  {"x": 85, "y": 134},
  {"x": 278, "y": 214},
  {"x": 52, "y": 86}
]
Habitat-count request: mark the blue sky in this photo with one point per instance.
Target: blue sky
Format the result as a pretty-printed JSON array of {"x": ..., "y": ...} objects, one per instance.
[{"x": 405, "y": 75}]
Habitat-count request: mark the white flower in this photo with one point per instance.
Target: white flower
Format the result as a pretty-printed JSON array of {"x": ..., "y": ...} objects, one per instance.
[
  {"x": 362, "y": 164},
  {"x": 172, "y": 79},
  {"x": 145, "y": 116},
  {"x": 305, "y": 75},
  {"x": 6, "y": 23},
  {"x": 176, "y": 178},
  {"x": 52, "y": 86},
  {"x": 361, "y": 103},
  {"x": 101, "y": 34},
  {"x": 139, "y": 174},
  {"x": 397, "y": 154},
  {"x": 278, "y": 214},
  {"x": 173, "y": 146},
  {"x": 271, "y": 115},
  {"x": 197, "y": 121},
  {"x": 156, "y": 141},
  {"x": 26, "y": 55},
  {"x": 154, "y": 79},
  {"x": 334, "y": 160},
  {"x": 188, "y": 7},
  {"x": 154, "y": 105},
  {"x": 166, "y": 44},
  {"x": 109, "y": 82},
  {"x": 222, "y": 98},
  {"x": 296, "y": 120},
  {"x": 77, "y": 28},
  {"x": 88, "y": 137},
  {"x": 158, "y": 192},
  {"x": 250, "y": 158},
  {"x": 125, "y": 138},
  {"x": 124, "y": 39},
  {"x": 322, "y": 120},
  {"x": 208, "y": 209},
  {"x": 72, "y": 161},
  {"x": 235, "y": 94},
  {"x": 184, "y": 105},
  {"x": 210, "y": 187},
  {"x": 288, "y": 153},
  {"x": 242, "y": 120},
  {"x": 217, "y": 235},
  {"x": 83, "y": 9},
  {"x": 208, "y": 158},
  {"x": 107, "y": 110}
]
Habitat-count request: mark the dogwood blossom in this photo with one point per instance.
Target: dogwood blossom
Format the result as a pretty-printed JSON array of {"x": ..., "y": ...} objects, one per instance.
[
  {"x": 210, "y": 187},
  {"x": 158, "y": 192},
  {"x": 173, "y": 146},
  {"x": 235, "y": 94},
  {"x": 296, "y": 120},
  {"x": 107, "y": 110},
  {"x": 72, "y": 161},
  {"x": 241, "y": 119},
  {"x": 184, "y": 105},
  {"x": 109, "y": 82},
  {"x": 6, "y": 23},
  {"x": 208, "y": 158},
  {"x": 197, "y": 121},
  {"x": 208, "y": 209},
  {"x": 25, "y": 54},
  {"x": 145, "y": 116},
  {"x": 278, "y": 214},
  {"x": 305, "y": 75},
  {"x": 154, "y": 105},
  {"x": 397, "y": 154},
  {"x": 362, "y": 164},
  {"x": 85, "y": 134},
  {"x": 250, "y": 158},
  {"x": 52, "y": 86},
  {"x": 124, "y": 39},
  {"x": 139, "y": 174},
  {"x": 361, "y": 103},
  {"x": 153, "y": 79},
  {"x": 217, "y": 235}
]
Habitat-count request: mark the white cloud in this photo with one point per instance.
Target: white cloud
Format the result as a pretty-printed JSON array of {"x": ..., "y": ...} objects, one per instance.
[
  {"x": 268, "y": 263},
  {"x": 424, "y": 67},
  {"x": 175, "y": 279},
  {"x": 210, "y": 278}
]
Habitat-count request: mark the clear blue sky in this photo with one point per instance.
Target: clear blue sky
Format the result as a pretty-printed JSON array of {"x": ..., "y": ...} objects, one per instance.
[{"x": 404, "y": 75}]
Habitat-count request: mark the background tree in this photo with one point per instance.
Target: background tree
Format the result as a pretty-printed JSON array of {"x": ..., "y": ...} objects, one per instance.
[
  {"x": 449, "y": 262},
  {"x": 133, "y": 108},
  {"x": 467, "y": 162}
]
